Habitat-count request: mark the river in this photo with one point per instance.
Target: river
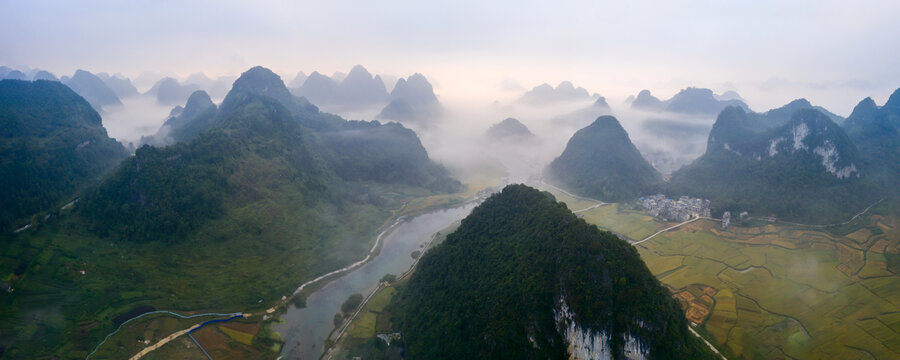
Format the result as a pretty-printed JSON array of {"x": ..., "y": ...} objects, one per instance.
[{"x": 305, "y": 329}]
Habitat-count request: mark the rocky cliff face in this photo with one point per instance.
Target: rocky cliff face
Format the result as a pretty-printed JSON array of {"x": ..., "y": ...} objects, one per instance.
[
  {"x": 809, "y": 134},
  {"x": 587, "y": 344}
]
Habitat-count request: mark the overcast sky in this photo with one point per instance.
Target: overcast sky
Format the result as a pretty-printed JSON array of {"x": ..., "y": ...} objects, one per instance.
[{"x": 832, "y": 52}]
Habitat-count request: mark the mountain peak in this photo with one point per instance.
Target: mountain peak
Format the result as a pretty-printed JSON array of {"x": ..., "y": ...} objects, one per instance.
[
  {"x": 865, "y": 109},
  {"x": 418, "y": 81},
  {"x": 565, "y": 86},
  {"x": 44, "y": 75},
  {"x": 415, "y": 88},
  {"x": 509, "y": 129},
  {"x": 645, "y": 100},
  {"x": 694, "y": 100},
  {"x": 298, "y": 80},
  {"x": 600, "y": 161},
  {"x": 412, "y": 99},
  {"x": 258, "y": 74},
  {"x": 729, "y": 95},
  {"x": 198, "y": 101},
  {"x": 261, "y": 81},
  {"x": 607, "y": 122},
  {"x": 360, "y": 71},
  {"x": 544, "y": 94},
  {"x": 93, "y": 89},
  {"x": 893, "y": 102},
  {"x": 601, "y": 103},
  {"x": 799, "y": 103},
  {"x": 695, "y": 91}
]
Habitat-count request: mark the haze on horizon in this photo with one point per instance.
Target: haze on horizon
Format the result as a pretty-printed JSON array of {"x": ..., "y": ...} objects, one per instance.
[{"x": 834, "y": 53}]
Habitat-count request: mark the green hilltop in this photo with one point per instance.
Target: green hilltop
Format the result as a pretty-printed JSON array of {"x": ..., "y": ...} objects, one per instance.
[
  {"x": 523, "y": 278},
  {"x": 52, "y": 144},
  {"x": 601, "y": 162}
]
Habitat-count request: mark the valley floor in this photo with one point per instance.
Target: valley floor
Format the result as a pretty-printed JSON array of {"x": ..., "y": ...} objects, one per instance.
[
  {"x": 755, "y": 291},
  {"x": 769, "y": 291}
]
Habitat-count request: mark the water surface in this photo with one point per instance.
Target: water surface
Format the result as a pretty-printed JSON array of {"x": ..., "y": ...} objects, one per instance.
[{"x": 305, "y": 330}]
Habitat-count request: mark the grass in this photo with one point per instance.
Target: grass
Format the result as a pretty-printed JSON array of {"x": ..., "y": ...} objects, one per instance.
[{"x": 364, "y": 326}]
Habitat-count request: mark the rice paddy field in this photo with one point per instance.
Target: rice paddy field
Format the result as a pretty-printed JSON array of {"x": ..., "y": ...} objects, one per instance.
[
  {"x": 631, "y": 224},
  {"x": 783, "y": 292}
]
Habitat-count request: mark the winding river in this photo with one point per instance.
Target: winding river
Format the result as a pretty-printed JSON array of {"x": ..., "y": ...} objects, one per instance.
[{"x": 305, "y": 329}]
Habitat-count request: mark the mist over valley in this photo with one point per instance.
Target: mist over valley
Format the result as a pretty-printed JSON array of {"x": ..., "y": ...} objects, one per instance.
[{"x": 467, "y": 180}]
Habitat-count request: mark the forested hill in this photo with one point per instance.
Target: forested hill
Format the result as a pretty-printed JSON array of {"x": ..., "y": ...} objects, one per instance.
[
  {"x": 270, "y": 196},
  {"x": 876, "y": 132},
  {"x": 600, "y": 161},
  {"x": 523, "y": 278},
  {"x": 261, "y": 143},
  {"x": 807, "y": 170},
  {"x": 51, "y": 144}
]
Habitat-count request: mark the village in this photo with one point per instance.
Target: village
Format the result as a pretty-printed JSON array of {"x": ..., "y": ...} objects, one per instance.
[{"x": 684, "y": 209}]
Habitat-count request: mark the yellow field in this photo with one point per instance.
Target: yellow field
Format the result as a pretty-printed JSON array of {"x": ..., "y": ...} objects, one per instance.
[
  {"x": 571, "y": 202},
  {"x": 634, "y": 225},
  {"x": 239, "y": 336},
  {"x": 788, "y": 291}
]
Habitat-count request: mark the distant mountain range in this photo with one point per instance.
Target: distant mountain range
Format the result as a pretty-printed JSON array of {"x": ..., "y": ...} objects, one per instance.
[
  {"x": 169, "y": 91},
  {"x": 508, "y": 130},
  {"x": 794, "y": 161},
  {"x": 359, "y": 89},
  {"x": 216, "y": 88},
  {"x": 584, "y": 117},
  {"x": 99, "y": 90},
  {"x": 92, "y": 89},
  {"x": 412, "y": 101},
  {"x": 523, "y": 278},
  {"x": 688, "y": 101},
  {"x": 546, "y": 94},
  {"x": 119, "y": 84}
]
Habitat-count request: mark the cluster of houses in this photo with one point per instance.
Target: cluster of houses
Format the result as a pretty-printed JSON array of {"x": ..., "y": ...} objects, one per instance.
[{"x": 684, "y": 209}]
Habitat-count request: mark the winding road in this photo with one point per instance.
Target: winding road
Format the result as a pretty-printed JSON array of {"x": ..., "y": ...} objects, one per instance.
[{"x": 673, "y": 227}]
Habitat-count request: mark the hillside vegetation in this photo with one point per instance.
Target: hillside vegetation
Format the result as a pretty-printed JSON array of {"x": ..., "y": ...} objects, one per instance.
[{"x": 523, "y": 278}]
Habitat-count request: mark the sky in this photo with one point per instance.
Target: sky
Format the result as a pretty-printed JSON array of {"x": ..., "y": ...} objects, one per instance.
[{"x": 834, "y": 53}]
